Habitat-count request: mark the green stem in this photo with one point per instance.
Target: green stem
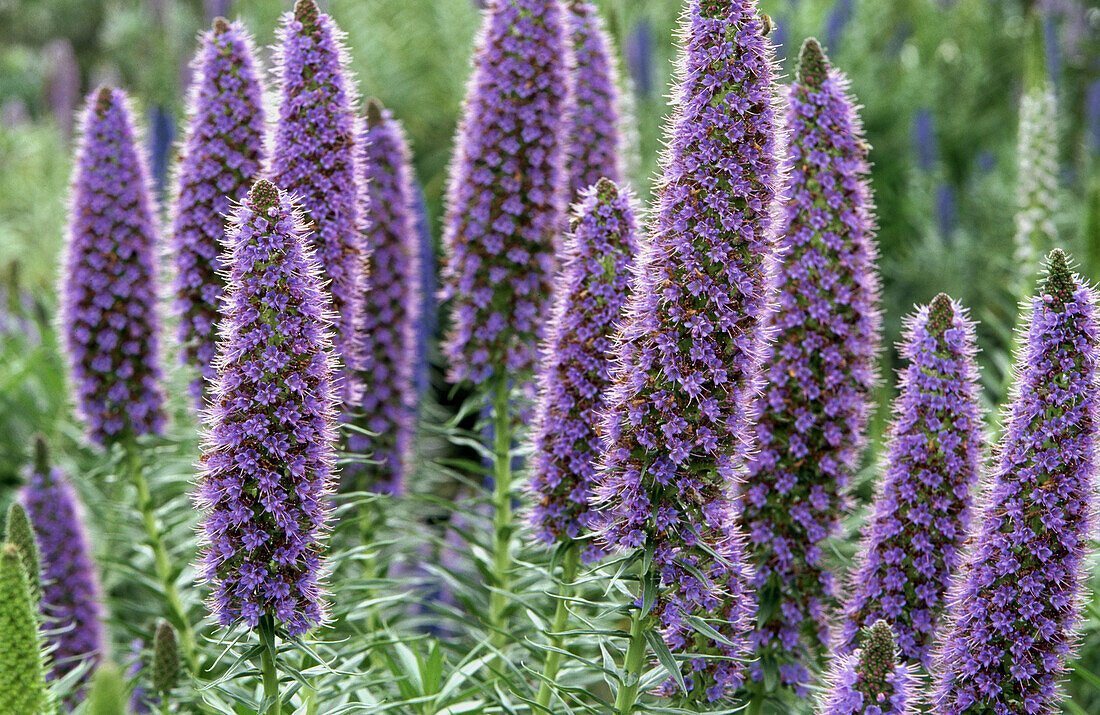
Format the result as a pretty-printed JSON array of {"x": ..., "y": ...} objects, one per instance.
[
  {"x": 162, "y": 564},
  {"x": 632, "y": 666},
  {"x": 502, "y": 510},
  {"x": 756, "y": 705},
  {"x": 268, "y": 666},
  {"x": 570, "y": 562}
]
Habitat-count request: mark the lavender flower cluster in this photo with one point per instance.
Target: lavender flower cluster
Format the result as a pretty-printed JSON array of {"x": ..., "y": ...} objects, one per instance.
[
  {"x": 913, "y": 543},
  {"x": 268, "y": 455},
  {"x": 1014, "y": 611},
  {"x": 392, "y": 310},
  {"x": 821, "y": 372},
  {"x": 221, "y": 156},
  {"x": 590, "y": 291},
  {"x": 507, "y": 191},
  {"x": 109, "y": 292},
  {"x": 317, "y": 158},
  {"x": 676, "y": 433}
]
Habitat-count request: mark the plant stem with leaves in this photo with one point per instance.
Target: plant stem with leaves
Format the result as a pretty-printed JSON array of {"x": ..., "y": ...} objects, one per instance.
[
  {"x": 632, "y": 664},
  {"x": 502, "y": 510},
  {"x": 570, "y": 563},
  {"x": 269, "y": 657}
]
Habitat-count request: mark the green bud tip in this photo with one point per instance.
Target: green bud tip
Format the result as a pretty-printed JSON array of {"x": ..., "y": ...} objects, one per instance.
[
  {"x": 606, "y": 189},
  {"x": 263, "y": 195},
  {"x": 813, "y": 65},
  {"x": 221, "y": 26},
  {"x": 19, "y": 533},
  {"x": 877, "y": 658},
  {"x": 104, "y": 97},
  {"x": 41, "y": 455},
  {"x": 108, "y": 693},
  {"x": 940, "y": 314},
  {"x": 374, "y": 112},
  {"x": 306, "y": 12},
  {"x": 166, "y": 659},
  {"x": 1059, "y": 284}
]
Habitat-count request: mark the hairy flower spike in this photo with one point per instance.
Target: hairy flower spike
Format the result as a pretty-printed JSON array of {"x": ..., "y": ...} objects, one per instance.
[
  {"x": 871, "y": 681},
  {"x": 507, "y": 190},
  {"x": 222, "y": 155},
  {"x": 392, "y": 305},
  {"x": 1014, "y": 610},
  {"x": 913, "y": 544},
  {"x": 590, "y": 291},
  {"x": 166, "y": 658},
  {"x": 19, "y": 533},
  {"x": 821, "y": 371},
  {"x": 109, "y": 286},
  {"x": 22, "y": 674},
  {"x": 71, "y": 594},
  {"x": 266, "y": 468},
  {"x": 317, "y": 158},
  {"x": 678, "y": 412},
  {"x": 595, "y": 143}
]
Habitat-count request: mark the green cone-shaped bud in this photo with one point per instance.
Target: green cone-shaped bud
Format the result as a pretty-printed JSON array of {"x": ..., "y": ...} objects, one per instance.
[
  {"x": 22, "y": 675},
  {"x": 166, "y": 658},
  {"x": 19, "y": 534},
  {"x": 108, "y": 694},
  {"x": 877, "y": 661}
]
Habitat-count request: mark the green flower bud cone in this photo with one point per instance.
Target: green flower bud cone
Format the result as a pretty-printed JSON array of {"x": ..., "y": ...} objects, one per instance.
[
  {"x": 19, "y": 534},
  {"x": 108, "y": 694},
  {"x": 166, "y": 658},
  {"x": 22, "y": 675}
]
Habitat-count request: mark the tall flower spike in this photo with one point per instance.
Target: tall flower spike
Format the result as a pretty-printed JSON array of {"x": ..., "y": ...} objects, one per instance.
[
  {"x": 1015, "y": 607},
  {"x": 71, "y": 594},
  {"x": 317, "y": 157},
  {"x": 507, "y": 190},
  {"x": 913, "y": 544},
  {"x": 821, "y": 371},
  {"x": 595, "y": 143},
  {"x": 266, "y": 468},
  {"x": 678, "y": 412},
  {"x": 392, "y": 312},
  {"x": 222, "y": 155},
  {"x": 871, "y": 681},
  {"x": 22, "y": 674},
  {"x": 590, "y": 291},
  {"x": 109, "y": 287}
]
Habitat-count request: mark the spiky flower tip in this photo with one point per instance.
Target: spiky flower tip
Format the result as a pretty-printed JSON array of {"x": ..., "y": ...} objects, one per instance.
[
  {"x": 507, "y": 191},
  {"x": 392, "y": 305},
  {"x": 71, "y": 594},
  {"x": 913, "y": 544},
  {"x": 688, "y": 355},
  {"x": 22, "y": 674},
  {"x": 594, "y": 143},
  {"x": 222, "y": 155},
  {"x": 19, "y": 532},
  {"x": 1037, "y": 179},
  {"x": 820, "y": 374},
  {"x": 108, "y": 290},
  {"x": 266, "y": 467},
  {"x": 590, "y": 291},
  {"x": 1015, "y": 607},
  {"x": 871, "y": 681},
  {"x": 316, "y": 158}
]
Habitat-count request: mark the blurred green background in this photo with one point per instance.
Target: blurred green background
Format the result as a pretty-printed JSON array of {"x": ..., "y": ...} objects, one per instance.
[{"x": 939, "y": 81}]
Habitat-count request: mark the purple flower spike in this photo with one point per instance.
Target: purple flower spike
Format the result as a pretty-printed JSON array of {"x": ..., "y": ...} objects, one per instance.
[
  {"x": 589, "y": 295},
  {"x": 317, "y": 159},
  {"x": 821, "y": 371},
  {"x": 871, "y": 681},
  {"x": 109, "y": 287},
  {"x": 222, "y": 155},
  {"x": 507, "y": 191},
  {"x": 71, "y": 594},
  {"x": 391, "y": 319},
  {"x": 1014, "y": 609},
  {"x": 269, "y": 449},
  {"x": 595, "y": 142},
  {"x": 678, "y": 412},
  {"x": 913, "y": 545}
]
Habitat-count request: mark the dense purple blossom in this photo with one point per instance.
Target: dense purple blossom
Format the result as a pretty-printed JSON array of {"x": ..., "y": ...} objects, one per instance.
[
  {"x": 507, "y": 190},
  {"x": 589, "y": 294},
  {"x": 267, "y": 460},
  {"x": 913, "y": 544},
  {"x": 317, "y": 157},
  {"x": 222, "y": 154},
  {"x": 677, "y": 429},
  {"x": 391, "y": 315},
  {"x": 109, "y": 283},
  {"x": 871, "y": 681},
  {"x": 595, "y": 143},
  {"x": 821, "y": 371},
  {"x": 1019, "y": 596},
  {"x": 70, "y": 592}
]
